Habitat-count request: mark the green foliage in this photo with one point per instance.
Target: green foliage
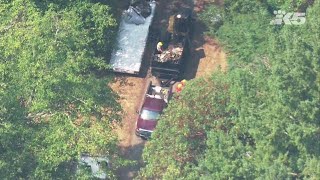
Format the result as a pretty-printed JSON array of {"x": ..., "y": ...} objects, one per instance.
[
  {"x": 252, "y": 27},
  {"x": 53, "y": 107},
  {"x": 242, "y": 7},
  {"x": 268, "y": 124},
  {"x": 285, "y": 4},
  {"x": 213, "y": 16},
  {"x": 181, "y": 131}
]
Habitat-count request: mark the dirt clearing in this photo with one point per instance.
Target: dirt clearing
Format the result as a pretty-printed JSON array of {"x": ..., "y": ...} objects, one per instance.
[
  {"x": 214, "y": 58},
  {"x": 206, "y": 56},
  {"x": 130, "y": 90}
]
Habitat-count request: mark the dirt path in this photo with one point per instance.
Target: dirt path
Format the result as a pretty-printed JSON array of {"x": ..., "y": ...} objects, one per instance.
[
  {"x": 130, "y": 90},
  {"x": 206, "y": 56},
  {"x": 214, "y": 58}
]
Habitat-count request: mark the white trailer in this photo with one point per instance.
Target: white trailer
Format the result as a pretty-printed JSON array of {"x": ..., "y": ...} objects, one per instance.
[{"x": 131, "y": 41}]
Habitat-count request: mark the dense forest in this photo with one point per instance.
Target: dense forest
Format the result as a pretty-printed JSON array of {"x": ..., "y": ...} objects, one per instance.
[
  {"x": 258, "y": 120},
  {"x": 53, "y": 104},
  {"x": 261, "y": 119}
]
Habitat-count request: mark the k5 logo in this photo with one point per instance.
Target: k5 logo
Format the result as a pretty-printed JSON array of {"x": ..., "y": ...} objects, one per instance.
[{"x": 288, "y": 18}]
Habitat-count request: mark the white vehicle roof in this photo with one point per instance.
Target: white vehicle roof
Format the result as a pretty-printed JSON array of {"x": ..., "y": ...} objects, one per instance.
[{"x": 131, "y": 42}]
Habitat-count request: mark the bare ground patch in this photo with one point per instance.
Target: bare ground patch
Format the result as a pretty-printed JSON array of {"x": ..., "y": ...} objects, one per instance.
[
  {"x": 206, "y": 57},
  {"x": 214, "y": 58},
  {"x": 130, "y": 90}
]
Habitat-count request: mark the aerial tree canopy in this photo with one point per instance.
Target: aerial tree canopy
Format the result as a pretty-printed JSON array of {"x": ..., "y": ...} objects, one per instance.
[
  {"x": 53, "y": 106},
  {"x": 261, "y": 119}
]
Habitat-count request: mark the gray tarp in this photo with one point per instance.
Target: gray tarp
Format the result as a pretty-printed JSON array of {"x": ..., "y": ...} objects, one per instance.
[
  {"x": 132, "y": 16},
  {"x": 131, "y": 42}
]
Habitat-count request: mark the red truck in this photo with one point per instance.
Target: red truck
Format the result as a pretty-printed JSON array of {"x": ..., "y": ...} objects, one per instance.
[{"x": 155, "y": 101}]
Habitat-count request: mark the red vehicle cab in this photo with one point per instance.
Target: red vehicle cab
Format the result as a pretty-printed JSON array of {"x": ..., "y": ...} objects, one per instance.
[{"x": 155, "y": 101}]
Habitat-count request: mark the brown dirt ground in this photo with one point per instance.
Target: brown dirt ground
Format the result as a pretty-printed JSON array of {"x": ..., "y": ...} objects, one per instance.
[
  {"x": 130, "y": 90},
  {"x": 199, "y": 5},
  {"x": 213, "y": 60},
  {"x": 206, "y": 57},
  {"x": 206, "y": 49}
]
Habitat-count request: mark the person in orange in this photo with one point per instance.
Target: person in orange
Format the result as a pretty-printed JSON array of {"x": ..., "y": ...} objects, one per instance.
[
  {"x": 179, "y": 87},
  {"x": 184, "y": 82}
]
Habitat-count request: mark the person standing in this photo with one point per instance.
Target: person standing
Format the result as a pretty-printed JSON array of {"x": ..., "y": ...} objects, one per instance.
[
  {"x": 160, "y": 47},
  {"x": 179, "y": 88}
]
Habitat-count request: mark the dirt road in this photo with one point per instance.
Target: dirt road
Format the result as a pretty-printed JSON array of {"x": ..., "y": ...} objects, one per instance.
[
  {"x": 206, "y": 57},
  {"x": 130, "y": 90}
]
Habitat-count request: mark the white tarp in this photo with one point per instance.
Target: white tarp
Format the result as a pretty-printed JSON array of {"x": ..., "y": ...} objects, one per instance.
[
  {"x": 95, "y": 165},
  {"x": 131, "y": 42}
]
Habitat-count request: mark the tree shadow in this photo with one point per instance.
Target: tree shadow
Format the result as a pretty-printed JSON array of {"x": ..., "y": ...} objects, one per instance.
[
  {"x": 123, "y": 80},
  {"x": 196, "y": 50},
  {"x": 148, "y": 52},
  {"x": 133, "y": 153}
]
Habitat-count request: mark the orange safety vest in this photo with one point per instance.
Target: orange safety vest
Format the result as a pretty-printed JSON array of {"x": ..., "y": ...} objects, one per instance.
[{"x": 179, "y": 87}]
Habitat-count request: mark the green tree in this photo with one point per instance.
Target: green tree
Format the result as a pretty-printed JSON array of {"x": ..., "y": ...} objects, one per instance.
[
  {"x": 53, "y": 106},
  {"x": 269, "y": 124}
]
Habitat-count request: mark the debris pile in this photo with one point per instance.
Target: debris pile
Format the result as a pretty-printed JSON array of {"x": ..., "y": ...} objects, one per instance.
[{"x": 173, "y": 53}]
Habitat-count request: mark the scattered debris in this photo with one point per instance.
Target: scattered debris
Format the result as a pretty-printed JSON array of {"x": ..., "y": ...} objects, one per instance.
[{"x": 173, "y": 53}]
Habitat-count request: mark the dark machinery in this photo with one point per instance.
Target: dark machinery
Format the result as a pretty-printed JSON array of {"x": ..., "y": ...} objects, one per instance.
[{"x": 169, "y": 64}]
